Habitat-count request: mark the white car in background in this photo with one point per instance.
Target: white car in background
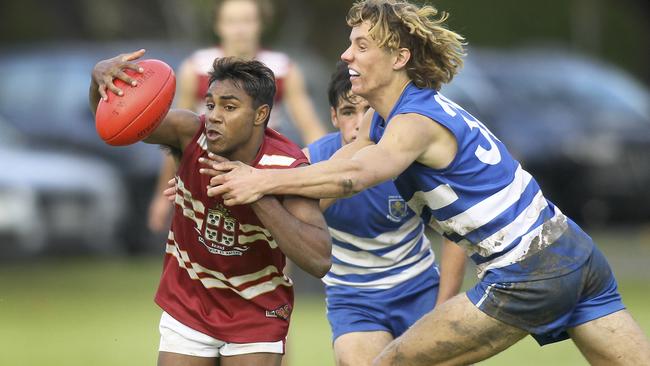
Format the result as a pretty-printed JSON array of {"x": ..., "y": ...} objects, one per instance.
[{"x": 55, "y": 202}]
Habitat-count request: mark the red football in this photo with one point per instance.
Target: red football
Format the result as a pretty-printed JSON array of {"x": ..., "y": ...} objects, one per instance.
[{"x": 126, "y": 119}]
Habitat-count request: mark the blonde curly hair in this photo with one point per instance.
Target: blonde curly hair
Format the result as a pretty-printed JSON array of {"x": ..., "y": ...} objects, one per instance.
[{"x": 436, "y": 52}]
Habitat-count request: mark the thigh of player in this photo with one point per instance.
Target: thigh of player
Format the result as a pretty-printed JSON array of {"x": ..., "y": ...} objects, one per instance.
[
  {"x": 605, "y": 333},
  {"x": 360, "y": 348},
  {"x": 181, "y": 345},
  {"x": 252, "y": 359},
  {"x": 455, "y": 332},
  {"x": 615, "y": 339}
]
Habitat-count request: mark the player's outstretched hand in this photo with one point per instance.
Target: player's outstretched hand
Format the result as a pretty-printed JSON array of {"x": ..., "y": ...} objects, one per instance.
[
  {"x": 233, "y": 180},
  {"x": 106, "y": 71}
]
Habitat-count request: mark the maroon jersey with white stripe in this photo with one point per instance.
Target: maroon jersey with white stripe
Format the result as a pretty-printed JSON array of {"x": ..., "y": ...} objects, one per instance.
[
  {"x": 203, "y": 59},
  {"x": 223, "y": 271}
]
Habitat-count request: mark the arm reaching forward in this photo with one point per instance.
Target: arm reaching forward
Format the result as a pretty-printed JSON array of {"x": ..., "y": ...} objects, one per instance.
[{"x": 408, "y": 137}]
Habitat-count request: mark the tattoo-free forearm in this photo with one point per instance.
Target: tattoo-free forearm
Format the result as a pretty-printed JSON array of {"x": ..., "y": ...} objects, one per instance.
[
  {"x": 452, "y": 270},
  {"x": 307, "y": 245}
]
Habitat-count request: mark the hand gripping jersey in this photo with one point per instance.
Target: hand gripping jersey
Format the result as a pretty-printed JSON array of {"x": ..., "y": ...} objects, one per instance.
[
  {"x": 377, "y": 241},
  {"x": 278, "y": 62},
  {"x": 223, "y": 272},
  {"x": 484, "y": 200}
]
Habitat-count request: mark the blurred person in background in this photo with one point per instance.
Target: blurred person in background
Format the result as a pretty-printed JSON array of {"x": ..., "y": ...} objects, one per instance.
[
  {"x": 539, "y": 273},
  {"x": 224, "y": 295},
  {"x": 383, "y": 276},
  {"x": 239, "y": 24}
]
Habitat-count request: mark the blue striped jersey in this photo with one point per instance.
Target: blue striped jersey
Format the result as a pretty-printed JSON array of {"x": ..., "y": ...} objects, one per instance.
[
  {"x": 377, "y": 241},
  {"x": 484, "y": 200}
]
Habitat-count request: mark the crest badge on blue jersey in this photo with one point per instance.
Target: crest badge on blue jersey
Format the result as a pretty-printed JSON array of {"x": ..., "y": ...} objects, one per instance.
[{"x": 396, "y": 208}]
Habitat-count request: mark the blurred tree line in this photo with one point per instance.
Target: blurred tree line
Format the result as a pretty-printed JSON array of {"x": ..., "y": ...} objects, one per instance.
[{"x": 617, "y": 31}]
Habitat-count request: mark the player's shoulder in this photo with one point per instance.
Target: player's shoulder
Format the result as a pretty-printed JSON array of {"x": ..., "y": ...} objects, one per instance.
[
  {"x": 330, "y": 139},
  {"x": 207, "y": 52},
  {"x": 324, "y": 147},
  {"x": 202, "y": 59},
  {"x": 280, "y": 152},
  {"x": 416, "y": 103},
  {"x": 279, "y": 62}
]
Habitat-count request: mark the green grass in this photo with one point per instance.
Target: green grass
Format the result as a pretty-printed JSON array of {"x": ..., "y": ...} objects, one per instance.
[{"x": 99, "y": 312}]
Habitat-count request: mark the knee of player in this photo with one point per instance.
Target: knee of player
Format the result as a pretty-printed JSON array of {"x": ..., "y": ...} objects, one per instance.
[{"x": 383, "y": 360}]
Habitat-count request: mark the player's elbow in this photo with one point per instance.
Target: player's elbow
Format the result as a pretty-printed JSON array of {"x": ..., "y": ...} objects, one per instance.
[
  {"x": 323, "y": 261},
  {"x": 322, "y": 266}
]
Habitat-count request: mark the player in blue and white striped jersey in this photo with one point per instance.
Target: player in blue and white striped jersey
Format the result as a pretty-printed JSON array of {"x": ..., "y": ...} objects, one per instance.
[
  {"x": 383, "y": 276},
  {"x": 540, "y": 274}
]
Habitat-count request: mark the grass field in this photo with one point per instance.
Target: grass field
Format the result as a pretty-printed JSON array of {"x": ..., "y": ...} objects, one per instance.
[{"x": 101, "y": 313}]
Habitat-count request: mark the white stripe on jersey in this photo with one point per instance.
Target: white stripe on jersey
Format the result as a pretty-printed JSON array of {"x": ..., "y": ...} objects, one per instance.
[
  {"x": 380, "y": 241},
  {"x": 343, "y": 270},
  {"x": 522, "y": 249},
  {"x": 263, "y": 234},
  {"x": 184, "y": 199},
  {"x": 245, "y": 239},
  {"x": 491, "y": 207},
  {"x": 219, "y": 280},
  {"x": 277, "y": 160},
  {"x": 518, "y": 227},
  {"x": 437, "y": 198},
  {"x": 387, "y": 282},
  {"x": 368, "y": 259},
  {"x": 202, "y": 141}
]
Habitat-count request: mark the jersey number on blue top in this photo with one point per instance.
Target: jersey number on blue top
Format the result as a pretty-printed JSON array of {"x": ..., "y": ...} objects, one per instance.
[{"x": 490, "y": 156}]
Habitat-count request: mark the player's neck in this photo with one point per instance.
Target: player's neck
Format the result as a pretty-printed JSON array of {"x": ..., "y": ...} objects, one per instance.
[
  {"x": 384, "y": 99},
  {"x": 247, "y": 152}
]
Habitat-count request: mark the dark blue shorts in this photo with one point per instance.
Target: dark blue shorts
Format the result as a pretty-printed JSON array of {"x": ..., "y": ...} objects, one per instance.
[
  {"x": 393, "y": 310},
  {"x": 546, "y": 308}
]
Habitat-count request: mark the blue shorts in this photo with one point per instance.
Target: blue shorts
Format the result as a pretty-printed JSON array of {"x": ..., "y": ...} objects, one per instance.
[
  {"x": 547, "y": 307},
  {"x": 394, "y": 310}
]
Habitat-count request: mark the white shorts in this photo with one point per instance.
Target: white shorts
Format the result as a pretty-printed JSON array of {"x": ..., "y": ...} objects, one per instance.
[{"x": 176, "y": 337}]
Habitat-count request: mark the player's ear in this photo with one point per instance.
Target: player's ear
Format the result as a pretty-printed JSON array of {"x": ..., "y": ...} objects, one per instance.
[
  {"x": 402, "y": 57},
  {"x": 261, "y": 114},
  {"x": 333, "y": 117}
]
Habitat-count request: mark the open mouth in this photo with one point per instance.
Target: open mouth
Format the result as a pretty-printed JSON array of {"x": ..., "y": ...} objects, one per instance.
[
  {"x": 212, "y": 135},
  {"x": 353, "y": 73}
]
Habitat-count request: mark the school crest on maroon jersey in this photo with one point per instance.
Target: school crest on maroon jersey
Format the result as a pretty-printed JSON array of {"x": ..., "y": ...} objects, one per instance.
[{"x": 220, "y": 232}]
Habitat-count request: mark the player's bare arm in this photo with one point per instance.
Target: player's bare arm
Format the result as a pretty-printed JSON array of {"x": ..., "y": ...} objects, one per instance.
[
  {"x": 452, "y": 270},
  {"x": 408, "y": 138},
  {"x": 176, "y": 129},
  {"x": 299, "y": 229}
]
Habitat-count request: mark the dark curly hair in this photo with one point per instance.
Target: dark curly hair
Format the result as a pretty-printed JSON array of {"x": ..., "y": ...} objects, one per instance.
[{"x": 255, "y": 78}]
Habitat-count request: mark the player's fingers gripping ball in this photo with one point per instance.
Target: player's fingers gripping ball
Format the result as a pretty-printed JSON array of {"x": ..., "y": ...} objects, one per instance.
[{"x": 126, "y": 119}]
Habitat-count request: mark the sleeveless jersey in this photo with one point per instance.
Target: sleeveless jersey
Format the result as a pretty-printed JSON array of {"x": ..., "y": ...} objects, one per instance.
[
  {"x": 484, "y": 200},
  {"x": 377, "y": 241},
  {"x": 223, "y": 271},
  {"x": 278, "y": 62}
]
